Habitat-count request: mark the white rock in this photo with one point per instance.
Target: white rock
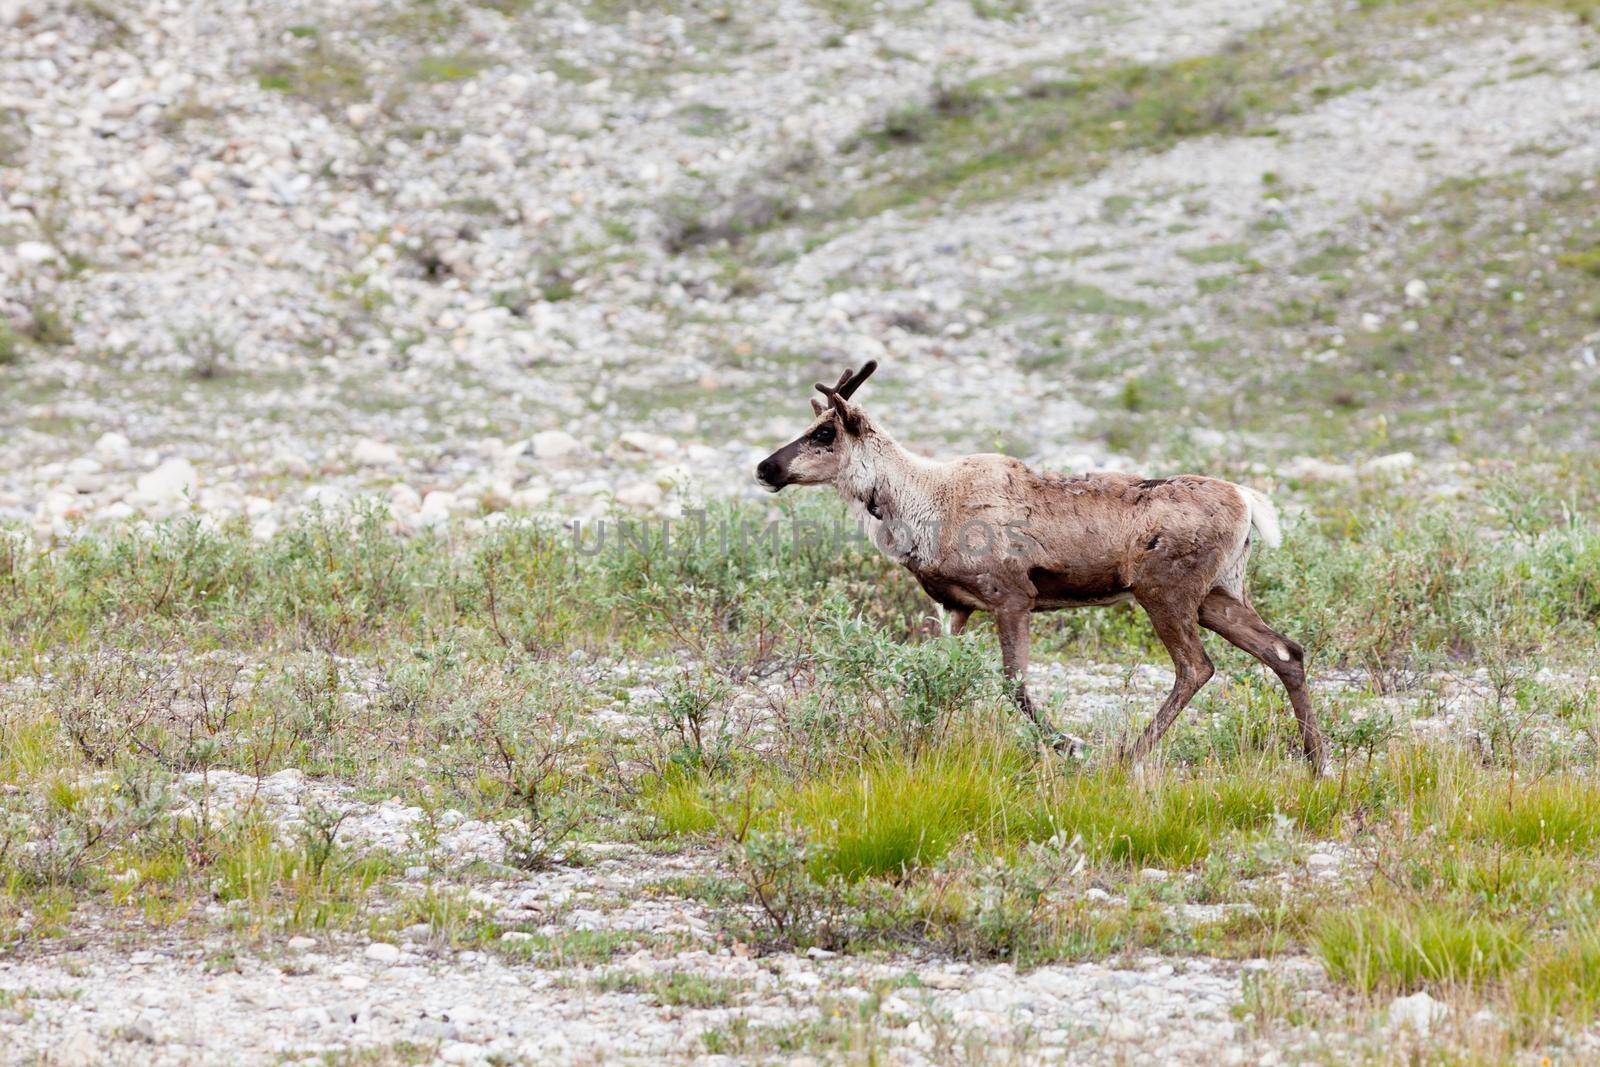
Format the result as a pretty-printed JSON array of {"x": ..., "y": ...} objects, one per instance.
[
  {"x": 370, "y": 453},
  {"x": 383, "y": 952},
  {"x": 1416, "y": 292},
  {"x": 1419, "y": 1012},
  {"x": 1154, "y": 874},
  {"x": 78, "y": 1049},
  {"x": 1393, "y": 463},
  {"x": 672, "y": 476},
  {"x": 438, "y": 506},
  {"x": 168, "y": 482},
  {"x": 1322, "y": 862},
  {"x": 291, "y": 463},
  {"x": 404, "y": 500},
  {"x": 462, "y": 1052},
  {"x": 302, "y": 944},
  {"x": 641, "y": 496},
  {"x": 531, "y": 498},
  {"x": 35, "y": 252},
  {"x": 1307, "y": 469},
  {"x": 553, "y": 444},
  {"x": 1125, "y": 1030},
  {"x": 326, "y": 496},
  {"x": 1371, "y": 323},
  {"x": 651, "y": 444},
  {"x": 111, "y": 444},
  {"x": 942, "y": 980}
]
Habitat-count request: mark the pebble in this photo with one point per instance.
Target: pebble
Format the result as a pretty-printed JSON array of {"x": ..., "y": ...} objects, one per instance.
[
  {"x": 383, "y": 952},
  {"x": 641, "y": 496},
  {"x": 553, "y": 444},
  {"x": 1418, "y": 1012},
  {"x": 370, "y": 453},
  {"x": 79, "y": 1048},
  {"x": 168, "y": 482}
]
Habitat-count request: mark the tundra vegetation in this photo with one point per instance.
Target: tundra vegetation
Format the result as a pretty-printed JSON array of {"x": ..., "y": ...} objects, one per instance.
[
  {"x": 718, "y": 758},
  {"x": 860, "y": 785}
]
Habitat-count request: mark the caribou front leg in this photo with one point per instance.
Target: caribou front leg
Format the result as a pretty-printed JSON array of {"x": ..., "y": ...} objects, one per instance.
[{"x": 1013, "y": 627}]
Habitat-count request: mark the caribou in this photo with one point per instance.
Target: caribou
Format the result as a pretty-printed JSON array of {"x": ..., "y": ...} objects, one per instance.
[{"x": 989, "y": 533}]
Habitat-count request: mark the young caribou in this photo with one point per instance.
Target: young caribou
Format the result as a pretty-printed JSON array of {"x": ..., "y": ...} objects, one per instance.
[{"x": 989, "y": 533}]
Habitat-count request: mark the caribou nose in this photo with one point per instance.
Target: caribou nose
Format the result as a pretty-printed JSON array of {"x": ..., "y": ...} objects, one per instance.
[{"x": 767, "y": 472}]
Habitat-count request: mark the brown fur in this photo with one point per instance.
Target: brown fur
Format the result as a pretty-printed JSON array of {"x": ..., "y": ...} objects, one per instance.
[{"x": 988, "y": 533}]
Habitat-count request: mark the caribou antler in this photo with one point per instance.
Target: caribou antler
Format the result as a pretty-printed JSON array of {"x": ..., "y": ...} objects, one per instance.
[{"x": 849, "y": 382}]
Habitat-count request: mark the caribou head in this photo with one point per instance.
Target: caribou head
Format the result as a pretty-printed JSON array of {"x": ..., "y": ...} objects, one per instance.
[{"x": 824, "y": 449}]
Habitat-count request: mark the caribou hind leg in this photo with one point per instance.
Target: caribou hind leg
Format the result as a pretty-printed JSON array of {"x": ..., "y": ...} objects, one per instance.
[{"x": 1237, "y": 621}]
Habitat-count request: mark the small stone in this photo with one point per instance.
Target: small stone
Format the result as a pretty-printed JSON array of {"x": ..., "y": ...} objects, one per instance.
[
  {"x": 437, "y": 1030},
  {"x": 641, "y": 496},
  {"x": 383, "y": 952},
  {"x": 111, "y": 444},
  {"x": 1418, "y": 1012},
  {"x": 1322, "y": 862},
  {"x": 1307, "y": 469},
  {"x": 461, "y": 1052},
  {"x": 327, "y": 497},
  {"x": 514, "y": 936},
  {"x": 370, "y": 453},
  {"x": 1416, "y": 292},
  {"x": 942, "y": 980},
  {"x": 1124, "y": 1031},
  {"x": 78, "y": 1049},
  {"x": 302, "y": 944},
  {"x": 404, "y": 501},
  {"x": 1154, "y": 874},
  {"x": 438, "y": 506},
  {"x": 139, "y": 1032},
  {"x": 35, "y": 252},
  {"x": 168, "y": 482},
  {"x": 553, "y": 444},
  {"x": 1393, "y": 463},
  {"x": 651, "y": 444}
]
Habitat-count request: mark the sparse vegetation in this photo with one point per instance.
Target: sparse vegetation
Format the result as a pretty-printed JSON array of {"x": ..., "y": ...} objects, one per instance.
[{"x": 351, "y": 699}]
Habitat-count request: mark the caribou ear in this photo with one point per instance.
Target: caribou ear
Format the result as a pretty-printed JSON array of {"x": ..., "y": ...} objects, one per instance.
[{"x": 817, "y": 406}]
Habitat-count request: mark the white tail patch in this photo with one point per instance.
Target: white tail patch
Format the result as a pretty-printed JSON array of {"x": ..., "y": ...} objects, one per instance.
[{"x": 1263, "y": 516}]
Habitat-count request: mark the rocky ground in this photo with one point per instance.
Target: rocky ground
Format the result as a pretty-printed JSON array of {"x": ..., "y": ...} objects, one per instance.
[
  {"x": 611, "y": 957},
  {"x": 360, "y": 268},
  {"x": 473, "y": 259}
]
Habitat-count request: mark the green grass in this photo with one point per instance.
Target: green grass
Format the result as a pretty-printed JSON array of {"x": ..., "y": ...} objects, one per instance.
[
  {"x": 1070, "y": 297},
  {"x": 320, "y": 73},
  {"x": 1562, "y": 982},
  {"x": 892, "y": 815},
  {"x": 447, "y": 68},
  {"x": 1401, "y": 946},
  {"x": 999, "y": 136},
  {"x": 673, "y": 989}
]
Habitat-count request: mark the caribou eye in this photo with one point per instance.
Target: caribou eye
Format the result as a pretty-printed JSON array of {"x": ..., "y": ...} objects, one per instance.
[{"x": 823, "y": 435}]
